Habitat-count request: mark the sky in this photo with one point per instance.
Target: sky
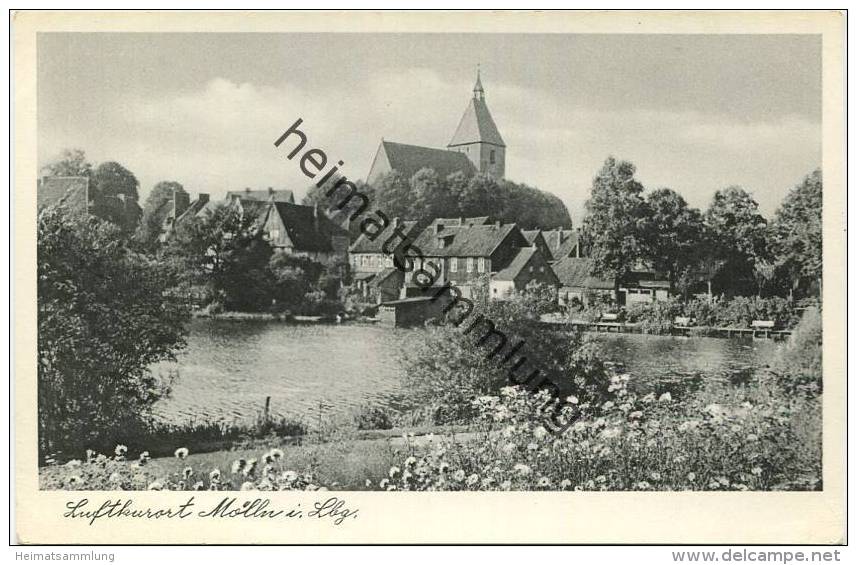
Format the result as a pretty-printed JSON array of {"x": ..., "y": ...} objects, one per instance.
[{"x": 693, "y": 113}]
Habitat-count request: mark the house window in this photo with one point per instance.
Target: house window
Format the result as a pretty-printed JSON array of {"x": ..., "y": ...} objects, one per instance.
[
  {"x": 645, "y": 291},
  {"x": 389, "y": 261},
  {"x": 453, "y": 264},
  {"x": 531, "y": 268},
  {"x": 365, "y": 260},
  {"x": 275, "y": 234},
  {"x": 492, "y": 157},
  {"x": 470, "y": 264},
  {"x": 481, "y": 265}
]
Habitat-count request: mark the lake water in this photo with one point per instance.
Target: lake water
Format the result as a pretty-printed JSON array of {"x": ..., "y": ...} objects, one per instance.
[{"x": 230, "y": 367}]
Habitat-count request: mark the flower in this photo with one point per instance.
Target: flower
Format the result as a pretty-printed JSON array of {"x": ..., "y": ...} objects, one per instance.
[
  {"x": 187, "y": 472},
  {"x": 115, "y": 477},
  {"x": 75, "y": 480},
  {"x": 368, "y": 483},
  {"x": 543, "y": 482},
  {"x": 635, "y": 414},
  {"x": 665, "y": 397},
  {"x": 155, "y": 486},
  {"x": 277, "y": 453},
  {"x": 532, "y": 446},
  {"x": 655, "y": 476},
  {"x": 198, "y": 485},
  {"x": 247, "y": 485},
  {"x": 181, "y": 453},
  {"x": 643, "y": 485},
  {"x": 238, "y": 466},
  {"x": 608, "y": 405},
  {"x": 522, "y": 469},
  {"x": 472, "y": 479},
  {"x": 73, "y": 463},
  {"x": 214, "y": 475},
  {"x": 290, "y": 476},
  {"x": 691, "y": 476},
  {"x": 384, "y": 482},
  {"x": 506, "y": 485},
  {"x": 121, "y": 450},
  {"x": 410, "y": 461},
  {"x": 572, "y": 399},
  {"x": 756, "y": 471},
  {"x": 509, "y": 448},
  {"x": 394, "y": 471},
  {"x": 565, "y": 483},
  {"x": 144, "y": 458},
  {"x": 540, "y": 432},
  {"x": 250, "y": 468},
  {"x": 458, "y": 475}
]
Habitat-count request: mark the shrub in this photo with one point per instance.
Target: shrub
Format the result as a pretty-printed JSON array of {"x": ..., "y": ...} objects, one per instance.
[
  {"x": 798, "y": 366},
  {"x": 737, "y": 439},
  {"x": 373, "y": 418},
  {"x": 105, "y": 315}
]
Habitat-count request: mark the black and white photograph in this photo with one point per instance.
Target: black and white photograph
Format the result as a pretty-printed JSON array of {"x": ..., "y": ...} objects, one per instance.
[{"x": 397, "y": 261}]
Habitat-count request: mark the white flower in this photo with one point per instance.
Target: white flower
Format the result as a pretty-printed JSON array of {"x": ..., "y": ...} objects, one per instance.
[
  {"x": 565, "y": 483},
  {"x": 74, "y": 463},
  {"x": 181, "y": 453},
  {"x": 522, "y": 469},
  {"x": 472, "y": 479},
  {"x": 508, "y": 431},
  {"x": 532, "y": 446},
  {"x": 543, "y": 482},
  {"x": 368, "y": 483},
  {"x": 290, "y": 476},
  {"x": 276, "y": 453},
  {"x": 665, "y": 397},
  {"x": 155, "y": 486},
  {"x": 691, "y": 476},
  {"x": 247, "y": 485},
  {"x": 506, "y": 485},
  {"x": 214, "y": 475},
  {"x": 410, "y": 461},
  {"x": 635, "y": 414},
  {"x": 655, "y": 476},
  {"x": 238, "y": 466},
  {"x": 540, "y": 432},
  {"x": 756, "y": 471},
  {"x": 115, "y": 477},
  {"x": 572, "y": 399},
  {"x": 384, "y": 482},
  {"x": 458, "y": 475},
  {"x": 509, "y": 448},
  {"x": 608, "y": 405},
  {"x": 121, "y": 450},
  {"x": 394, "y": 471},
  {"x": 187, "y": 472}
]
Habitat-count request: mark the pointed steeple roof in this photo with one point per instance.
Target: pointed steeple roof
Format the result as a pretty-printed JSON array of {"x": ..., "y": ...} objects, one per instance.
[{"x": 476, "y": 124}]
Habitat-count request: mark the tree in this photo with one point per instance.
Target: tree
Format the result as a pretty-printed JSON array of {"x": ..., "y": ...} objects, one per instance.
[
  {"x": 796, "y": 233},
  {"x": 614, "y": 222},
  {"x": 481, "y": 197},
  {"x": 531, "y": 208},
  {"x": 71, "y": 163},
  {"x": 317, "y": 196},
  {"x": 432, "y": 196},
  {"x": 224, "y": 253},
  {"x": 104, "y": 317},
  {"x": 112, "y": 179},
  {"x": 394, "y": 196},
  {"x": 151, "y": 223},
  {"x": 738, "y": 235},
  {"x": 673, "y": 235}
]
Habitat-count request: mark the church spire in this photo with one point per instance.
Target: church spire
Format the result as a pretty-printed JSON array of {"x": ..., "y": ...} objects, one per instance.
[{"x": 478, "y": 91}]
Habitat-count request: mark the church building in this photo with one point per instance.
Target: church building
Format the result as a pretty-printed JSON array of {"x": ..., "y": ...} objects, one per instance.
[{"x": 476, "y": 147}]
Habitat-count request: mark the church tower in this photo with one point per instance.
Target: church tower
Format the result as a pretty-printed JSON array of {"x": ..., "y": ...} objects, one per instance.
[{"x": 478, "y": 138}]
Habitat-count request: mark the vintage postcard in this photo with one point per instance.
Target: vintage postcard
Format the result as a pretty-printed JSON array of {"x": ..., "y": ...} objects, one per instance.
[{"x": 438, "y": 277}]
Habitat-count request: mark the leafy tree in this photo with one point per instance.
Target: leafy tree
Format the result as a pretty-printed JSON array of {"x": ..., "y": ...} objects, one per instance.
[
  {"x": 432, "y": 196},
  {"x": 531, "y": 208},
  {"x": 738, "y": 236},
  {"x": 395, "y": 197},
  {"x": 104, "y": 317},
  {"x": 151, "y": 222},
  {"x": 674, "y": 234},
  {"x": 112, "y": 179},
  {"x": 317, "y": 196},
  {"x": 481, "y": 197},
  {"x": 795, "y": 235},
  {"x": 614, "y": 222},
  {"x": 71, "y": 163},
  {"x": 223, "y": 253}
]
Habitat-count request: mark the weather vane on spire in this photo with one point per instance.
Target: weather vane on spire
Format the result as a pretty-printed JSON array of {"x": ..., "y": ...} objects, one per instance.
[{"x": 478, "y": 91}]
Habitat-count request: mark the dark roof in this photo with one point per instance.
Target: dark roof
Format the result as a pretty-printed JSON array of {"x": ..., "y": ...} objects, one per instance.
[
  {"x": 574, "y": 272},
  {"x": 307, "y": 226},
  {"x": 268, "y": 195},
  {"x": 531, "y": 235},
  {"x": 476, "y": 126},
  {"x": 408, "y": 159},
  {"x": 466, "y": 241},
  {"x": 645, "y": 279},
  {"x": 517, "y": 265},
  {"x": 367, "y": 245},
  {"x": 195, "y": 208},
  {"x": 363, "y": 276},
  {"x": 69, "y": 192},
  {"x": 561, "y": 242}
]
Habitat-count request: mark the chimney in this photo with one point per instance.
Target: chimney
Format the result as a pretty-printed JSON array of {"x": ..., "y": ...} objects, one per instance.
[
  {"x": 181, "y": 202},
  {"x": 203, "y": 198},
  {"x": 247, "y": 189},
  {"x": 497, "y": 223},
  {"x": 396, "y": 222},
  {"x": 438, "y": 227},
  {"x": 270, "y": 190}
]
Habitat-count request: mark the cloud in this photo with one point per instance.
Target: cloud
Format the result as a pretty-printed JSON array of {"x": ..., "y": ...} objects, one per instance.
[{"x": 220, "y": 136}]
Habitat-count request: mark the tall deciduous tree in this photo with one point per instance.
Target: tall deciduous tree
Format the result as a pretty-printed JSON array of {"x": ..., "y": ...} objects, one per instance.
[
  {"x": 394, "y": 196},
  {"x": 112, "y": 179},
  {"x": 432, "y": 195},
  {"x": 104, "y": 317},
  {"x": 151, "y": 222},
  {"x": 70, "y": 163},
  {"x": 738, "y": 235},
  {"x": 614, "y": 222},
  {"x": 674, "y": 234},
  {"x": 796, "y": 233}
]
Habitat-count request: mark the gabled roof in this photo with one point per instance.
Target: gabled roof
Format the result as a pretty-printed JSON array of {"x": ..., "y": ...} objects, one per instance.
[
  {"x": 408, "y": 159},
  {"x": 367, "y": 245},
  {"x": 387, "y": 274},
  {"x": 307, "y": 227},
  {"x": 561, "y": 242},
  {"x": 575, "y": 272},
  {"x": 463, "y": 241},
  {"x": 477, "y": 126},
  {"x": 195, "y": 208},
  {"x": 69, "y": 192},
  {"x": 517, "y": 265},
  {"x": 268, "y": 195}
]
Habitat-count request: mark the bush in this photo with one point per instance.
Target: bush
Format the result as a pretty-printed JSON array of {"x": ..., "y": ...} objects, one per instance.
[
  {"x": 655, "y": 317},
  {"x": 454, "y": 364},
  {"x": 373, "y": 418},
  {"x": 729, "y": 439},
  {"x": 105, "y": 316},
  {"x": 798, "y": 366}
]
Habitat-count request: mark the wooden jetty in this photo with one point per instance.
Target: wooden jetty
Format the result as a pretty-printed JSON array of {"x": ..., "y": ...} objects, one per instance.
[{"x": 627, "y": 327}]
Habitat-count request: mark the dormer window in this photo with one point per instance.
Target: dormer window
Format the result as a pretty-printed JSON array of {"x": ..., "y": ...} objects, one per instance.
[{"x": 492, "y": 157}]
